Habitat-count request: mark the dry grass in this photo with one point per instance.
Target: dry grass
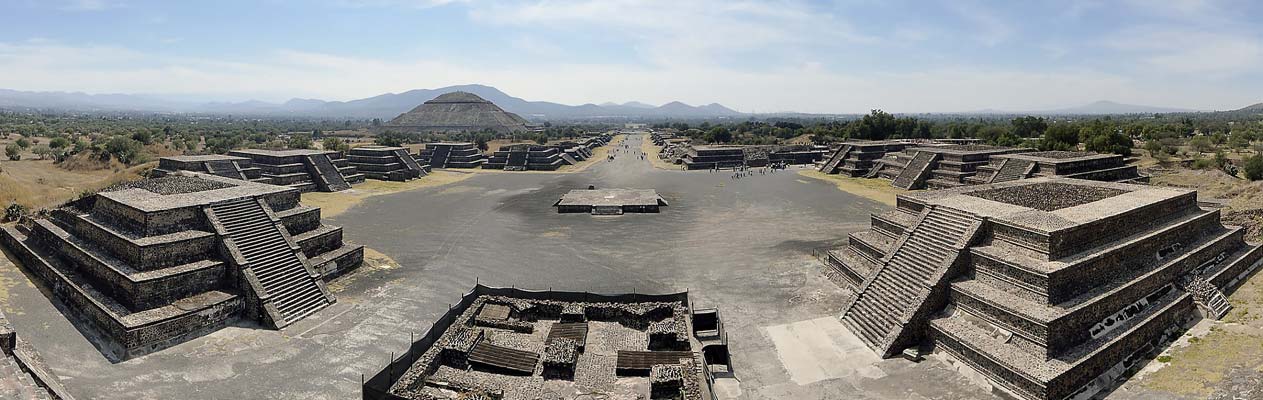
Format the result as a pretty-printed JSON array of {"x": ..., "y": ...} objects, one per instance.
[
  {"x": 42, "y": 184},
  {"x": 651, "y": 153},
  {"x": 872, "y": 189},
  {"x": 335, "y": 203}
]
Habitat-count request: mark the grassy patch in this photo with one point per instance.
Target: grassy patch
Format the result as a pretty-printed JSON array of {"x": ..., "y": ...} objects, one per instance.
[
  {"x": 872, "y": 189},
  {"x": 332, "y": 204}
]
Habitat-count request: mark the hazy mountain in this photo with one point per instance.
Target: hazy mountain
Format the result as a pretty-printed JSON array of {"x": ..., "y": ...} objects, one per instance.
[
  {"x": 1102, "y": 107},
  {"x": 1253, "y": 108},
  {"x": 384, "y": 106}
]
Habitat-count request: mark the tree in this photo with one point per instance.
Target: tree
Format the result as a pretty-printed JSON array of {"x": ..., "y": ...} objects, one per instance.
[
  {"x": 1254, "y": 167},
  {"x": 1201, "y": 144},
  {"x": 391, "y": 139},
  {"x": 876, "y": 125},
  {"x": 1110, "y": 142},
  {"x": 58, "y": 143},
  {"x": 1153, "y": 147},
  {"x": 13, "y": 151},
  {"x": 719, "y": 134},
  {"x": 299, "y": 141},
  {"x": 1029, "y": 126},
  {"x": 334, "y": 144},
  {"x": 125, "y": 149},
  {"x": 481, "y": 142},
  {"x": 43, "y": 151},
  {"x": 24, "y": 142},
  {"x": 541, "y": 139}
]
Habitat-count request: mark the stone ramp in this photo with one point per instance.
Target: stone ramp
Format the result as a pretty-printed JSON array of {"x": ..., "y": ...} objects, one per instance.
[
  {"x": 831, "y": 166},
  {"x": 918, "y": 169},
  {"x": 225, "y": 168},
  {"x": 326, "y": 175},
  {"x": 287, "y": 287},
  {"x": 513, "y": 360},
  {"x": 17, "y": 384},
  {"x": 894, "y": 301}
]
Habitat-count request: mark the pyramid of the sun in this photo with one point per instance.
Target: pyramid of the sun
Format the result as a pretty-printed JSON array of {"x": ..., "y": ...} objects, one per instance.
[{"x": 458, "y": 112}]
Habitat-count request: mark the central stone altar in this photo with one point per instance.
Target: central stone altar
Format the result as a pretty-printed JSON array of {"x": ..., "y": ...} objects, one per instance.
[{"x": 610, "y": 201}]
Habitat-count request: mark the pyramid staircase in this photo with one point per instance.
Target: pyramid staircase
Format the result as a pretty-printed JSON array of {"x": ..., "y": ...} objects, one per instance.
[
  {"x": 831, "y": 166},
  {"x": 438, "y": 158},
  {"x": 918, "y": 169},
  {"x": 876, "y": 169},
  {"x": 224, "y": 168},
  {"x": 517, "y": 161},
  {"x": 328, "y": 178},
  {"x": 1012, "y": 169},
  {"x": 1207, "y": 295},
  {"x": 409, "y": 162},
  {"x": 287, "y": 287},
  {"x": 895, "y": 300}
]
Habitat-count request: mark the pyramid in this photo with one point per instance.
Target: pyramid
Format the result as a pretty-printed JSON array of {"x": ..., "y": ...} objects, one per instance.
[{"x": 456, "y": 112}]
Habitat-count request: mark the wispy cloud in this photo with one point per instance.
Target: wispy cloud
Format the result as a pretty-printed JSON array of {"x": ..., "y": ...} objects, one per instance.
[
  {"x": 991, "y": 29},
  {"x": 89, "y": 5}
]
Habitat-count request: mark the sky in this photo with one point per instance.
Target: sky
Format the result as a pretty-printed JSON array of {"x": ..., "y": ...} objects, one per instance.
[{"x": 845, "y": 56}]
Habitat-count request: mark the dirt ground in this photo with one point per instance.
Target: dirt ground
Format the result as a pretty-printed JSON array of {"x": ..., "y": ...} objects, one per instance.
[
  {"x": 873, "y": 189},
  {"x": 41, "y": 184}
]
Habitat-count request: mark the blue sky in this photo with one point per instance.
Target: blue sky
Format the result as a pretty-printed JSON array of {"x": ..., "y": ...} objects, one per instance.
[{"x": 763, "y": 56}]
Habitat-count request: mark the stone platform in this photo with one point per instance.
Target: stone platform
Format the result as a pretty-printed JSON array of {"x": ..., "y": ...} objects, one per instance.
[
  {"x": 515, "y": 344},
  {"x": 154, "y": 262},
  {"x": 858, "y": 158},
  {"x": 610, "y": 201},
  {"x": 1050, "y": 287},
  {"x": 451, "y": 155},
  {"x": 386, "y": 163}
]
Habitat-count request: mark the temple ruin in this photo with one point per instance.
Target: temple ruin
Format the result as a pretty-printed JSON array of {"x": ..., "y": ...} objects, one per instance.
[
  {"x": 921, "y": 167},
  {"x": 513, "y": 344},
  {"x": 610, "y": 201},
  {"x": 304, "y": 169},
  {"x": 385, "y": 163},
  {"x": 709, "y": 157},
  {"x": 451, "y": 155},
  {"x": 1052, "y": 288},
  {"x": 1070, "y": 164},
  {"x": 154, "y": 262}
]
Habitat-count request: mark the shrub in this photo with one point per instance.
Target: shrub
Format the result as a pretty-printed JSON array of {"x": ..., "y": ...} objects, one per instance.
[
  {"x": 13, "y": 151},
  {"x": 125, "y": 149},
  {"x": 335, "y": 144},
  {"x": 14, "y": 212},
  {"x": 299, "y": 141},
  {"x": 1254, "y": 167}
]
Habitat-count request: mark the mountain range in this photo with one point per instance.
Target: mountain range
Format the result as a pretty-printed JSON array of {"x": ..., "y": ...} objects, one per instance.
[
  {"x": 389, "y": 105},
  {"x": 385, "y": 106}
]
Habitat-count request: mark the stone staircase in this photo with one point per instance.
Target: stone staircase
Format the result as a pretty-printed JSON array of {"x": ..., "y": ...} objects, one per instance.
[
  {"x": 831, "y": 166},
  {"x": 886, "y": 310},
  {"x": 410, "y": 162},
  {"x": 873, "y": 172},
  {"x": 16, "y": 384},
  {"x": 283, "y": 275},
  {"x": 438, "y": 159},
  {"x": 1012, "y": 169},
  {"x": 517, "y": 161},
  {"x": 1207, "y": 295},
  {"x": 917, "y": 170},
  {"x": 224, "y": 168},
  {"x": 328, "y": 178}
]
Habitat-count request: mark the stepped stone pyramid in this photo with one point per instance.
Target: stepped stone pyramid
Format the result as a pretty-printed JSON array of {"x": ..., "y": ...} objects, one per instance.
[
  {"x": 304, "y": 169},
  {"x": 458, "y": 112},
  {"x": 451, "y": 155},
  {"x": 154, "y": 262},
  {"x": 860, "y": 158},
  {"x": 523, "y": 157},
  {"x": 1050, "y": 287},
  {"x": 386, "y": 163}
]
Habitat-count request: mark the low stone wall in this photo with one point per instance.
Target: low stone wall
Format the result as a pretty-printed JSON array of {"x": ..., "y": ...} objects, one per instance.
[{"x": 196, "y": 245}]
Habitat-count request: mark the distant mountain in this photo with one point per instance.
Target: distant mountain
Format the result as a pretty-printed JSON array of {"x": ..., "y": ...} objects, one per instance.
[
  {"x": 1253, "y": 108},
  {"x": 1102, "y": 107},
  {"x": 385, "y": 106}
]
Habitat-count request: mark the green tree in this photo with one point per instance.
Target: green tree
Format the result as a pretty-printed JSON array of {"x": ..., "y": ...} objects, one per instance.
[
  {"x": 1153, "y": 147},
  {"x": 43, "y": 151},
  {"x": 1201, "y": 144},
  {"x": 1029, "y": 126},
  {"x": 335, "y": 144},
  {"x": 24, "y": 142},
  {"x": 58, "y": 143},
  {"x": 13, "y": 151},
  {"x": 391, "y": 138},
  {"x": 125, "y": 149},
  {"x": 299, "y": 141},
  {"x": 719, "y": 134},
  {"x": 1060, "y": 137},
  {"x": 1110, "y": 142},
  {"x": 1254, "y": 167}
]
